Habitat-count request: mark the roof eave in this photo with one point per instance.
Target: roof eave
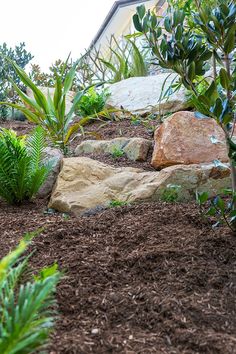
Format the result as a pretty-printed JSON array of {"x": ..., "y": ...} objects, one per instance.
[{"x": 116, "y": 6}]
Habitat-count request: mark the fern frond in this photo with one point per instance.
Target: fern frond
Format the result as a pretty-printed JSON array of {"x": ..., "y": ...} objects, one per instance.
[
  {"x": 21, "y": 169},
  {"x": 26, "y": 316}
]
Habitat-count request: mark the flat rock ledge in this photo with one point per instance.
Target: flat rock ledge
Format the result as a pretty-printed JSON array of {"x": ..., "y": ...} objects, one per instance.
[
  {"x": 135, "y": 149},
  {"x": 84, "y": 184}
]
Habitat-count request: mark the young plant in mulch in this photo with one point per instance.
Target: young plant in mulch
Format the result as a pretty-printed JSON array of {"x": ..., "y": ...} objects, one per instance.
[
  {"x": 171, "y": 193},
  {"x": 92, "y": 103},
  {"x": 117, "y": 153},
  {"x": 27, "y": 308},
  {"x": 115, "y": 203},
  {"x": 187, "y": 49}
]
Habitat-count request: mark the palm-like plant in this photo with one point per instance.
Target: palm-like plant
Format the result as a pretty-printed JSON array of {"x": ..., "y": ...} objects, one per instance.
[
  {"x": 50, "y": 113},
  {"x": 22, "y": 171},
  {"x": 26, "y": 315}
]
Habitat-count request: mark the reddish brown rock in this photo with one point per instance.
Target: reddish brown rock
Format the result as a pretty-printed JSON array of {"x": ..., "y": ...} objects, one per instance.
[{"x": 185, "y": 139}]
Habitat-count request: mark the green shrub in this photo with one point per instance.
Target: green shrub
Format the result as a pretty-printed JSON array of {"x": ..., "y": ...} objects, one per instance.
[
  {"x": 92, "y": 102},
  {"x": 21, "y": 169},
  {"x": 26, "y": 308}
]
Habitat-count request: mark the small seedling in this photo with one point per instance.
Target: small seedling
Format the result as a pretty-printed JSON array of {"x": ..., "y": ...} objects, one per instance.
[
  {"x": 171, "y": 193},
  {"x": 117, "y": 153},
  {"x": 117, "y": 203},
  {"x": 135, "y": 120}
]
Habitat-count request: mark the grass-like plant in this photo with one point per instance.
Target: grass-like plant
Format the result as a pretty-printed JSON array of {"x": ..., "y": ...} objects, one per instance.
[
  {"x": 22, "y": 171},
  {"x": 26, "y": 308},
  {"x": 125, "y": 61},
  {"x": 50, "y": 113}
]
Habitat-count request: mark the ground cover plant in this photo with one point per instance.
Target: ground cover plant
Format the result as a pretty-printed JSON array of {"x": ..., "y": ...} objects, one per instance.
[
  {"x": 22, "y": 170},
  {"x": 26, "y": 306},
  {"x": 185, "y": 49}
]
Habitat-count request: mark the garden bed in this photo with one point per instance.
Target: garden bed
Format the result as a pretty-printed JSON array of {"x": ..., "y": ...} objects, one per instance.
[
  {"x": 150, "y": 278},
  {"x": 104, "y": 130}
]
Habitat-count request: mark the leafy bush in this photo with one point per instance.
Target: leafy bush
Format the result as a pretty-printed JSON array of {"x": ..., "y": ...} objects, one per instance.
[
  {"x": 186, "y": 49},
  {"x": 26, "y": 315},
  {"x": 92, "y": 102},
  {"x": 21, "y": 169},
  {"x": 7, "y": 93},
  {"x": 50, "y": 113}
]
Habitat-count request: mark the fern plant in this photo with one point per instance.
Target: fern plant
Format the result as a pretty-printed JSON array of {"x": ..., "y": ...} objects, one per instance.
[
  {"x": 22, "y": 171},
  {"x": 26, "y": 316}
]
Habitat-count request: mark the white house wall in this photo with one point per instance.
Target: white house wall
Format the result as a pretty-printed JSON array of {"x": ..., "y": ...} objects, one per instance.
[{"x": 121, "y": 23}]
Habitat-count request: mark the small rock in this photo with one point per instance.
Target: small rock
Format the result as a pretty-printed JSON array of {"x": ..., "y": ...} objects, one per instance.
[
  {"x": 95, "y": 331},
  {"x": 136, "y": 149}
]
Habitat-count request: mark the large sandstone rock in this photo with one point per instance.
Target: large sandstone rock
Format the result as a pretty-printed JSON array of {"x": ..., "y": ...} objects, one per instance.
[
  {"x": 140, "y": 95},
  {"x": 52, "y": 157},
  {"x": 84, "y": 184},
  {"x": 185, "y": 139},
  {"x": 136, "y": 149},
  {"x": 45, "y": 90}
]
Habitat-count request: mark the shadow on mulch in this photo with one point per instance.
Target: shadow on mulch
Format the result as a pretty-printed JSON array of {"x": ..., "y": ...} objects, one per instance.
[{"x": 150, "y": 278}]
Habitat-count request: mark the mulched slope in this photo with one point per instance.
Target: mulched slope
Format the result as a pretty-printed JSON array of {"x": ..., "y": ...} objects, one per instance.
[{"x": 150, "y": 278}]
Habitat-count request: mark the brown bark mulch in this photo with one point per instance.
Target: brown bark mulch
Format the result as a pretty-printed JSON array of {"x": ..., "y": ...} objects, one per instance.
[{"x": 149, "y": 278}]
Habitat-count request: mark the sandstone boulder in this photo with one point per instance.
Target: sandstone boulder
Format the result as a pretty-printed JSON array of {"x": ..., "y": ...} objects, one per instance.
[
  {"x": 186, "y": 139},
  {"x": 84, "y": 184},
  {"x": 136, "y": 149},
  {"x": 53, "y": 157},
  {"x": 141, "y": 95},
  {"x": 50, "y": 90}
]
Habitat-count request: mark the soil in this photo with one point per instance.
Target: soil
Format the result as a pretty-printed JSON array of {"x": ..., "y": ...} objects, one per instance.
[{"x": 149, "y": 278}]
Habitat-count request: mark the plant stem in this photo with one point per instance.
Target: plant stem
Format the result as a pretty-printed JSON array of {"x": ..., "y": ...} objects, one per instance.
[{"x": 214, "y": 66}]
